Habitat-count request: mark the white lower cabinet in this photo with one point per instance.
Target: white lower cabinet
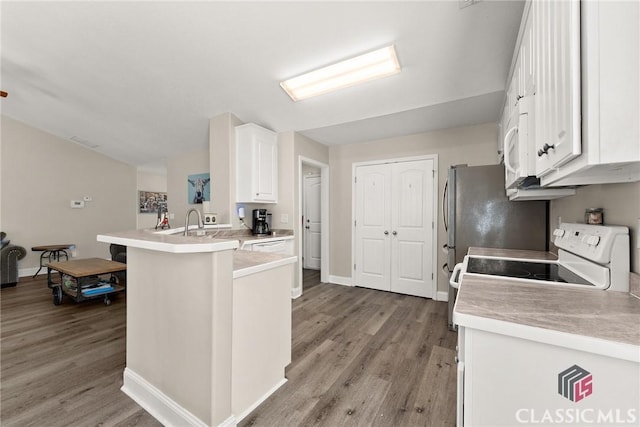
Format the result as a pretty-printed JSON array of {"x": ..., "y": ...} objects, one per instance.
[{"x": 504, "y": 380}]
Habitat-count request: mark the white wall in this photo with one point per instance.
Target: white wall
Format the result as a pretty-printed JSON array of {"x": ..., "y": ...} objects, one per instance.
[
  {"x": 179, "y": 167},
  {"x": 41, "y": 174},
  {"x": 474, "y": 145}
]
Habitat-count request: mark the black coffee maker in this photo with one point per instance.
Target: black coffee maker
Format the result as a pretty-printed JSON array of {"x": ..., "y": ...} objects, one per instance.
[{"x": 260, "y": 224}]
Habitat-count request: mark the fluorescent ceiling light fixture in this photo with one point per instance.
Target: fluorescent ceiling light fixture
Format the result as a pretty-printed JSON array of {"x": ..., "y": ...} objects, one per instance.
[{"x": 373, "y": 65}]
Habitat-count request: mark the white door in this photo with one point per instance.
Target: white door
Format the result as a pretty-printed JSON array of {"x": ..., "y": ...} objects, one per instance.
[
  {"x": 373, "y": 222},
  {"x": 412, "y": 229},
  {"x": 312, "y": 223},
  {"x": 394, "y": 227}
]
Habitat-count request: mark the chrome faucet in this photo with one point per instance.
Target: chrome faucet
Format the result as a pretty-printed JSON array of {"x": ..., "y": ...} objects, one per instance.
[{"x": 186, "y": 220}]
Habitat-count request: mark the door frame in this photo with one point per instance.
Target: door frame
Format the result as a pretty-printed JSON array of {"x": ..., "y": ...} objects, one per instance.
[
  {"x": 324, "y": 218},
  {"x": 304, "y": 241},
  {"x": 436, "y": 200}
]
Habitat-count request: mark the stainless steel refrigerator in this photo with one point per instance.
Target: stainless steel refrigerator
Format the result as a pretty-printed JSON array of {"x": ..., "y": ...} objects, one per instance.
[{"x": 478, "y": 213}]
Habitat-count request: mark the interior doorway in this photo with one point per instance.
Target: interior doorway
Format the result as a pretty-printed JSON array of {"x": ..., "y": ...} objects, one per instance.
[
  {"x": 311, "y": 220},
  {"x": 313, "y": 225}
]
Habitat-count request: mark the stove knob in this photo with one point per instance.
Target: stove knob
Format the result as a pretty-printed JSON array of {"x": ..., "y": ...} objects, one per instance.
[
  {"x": 558, "y": 232},
  {"x": 594, "y": 240}
]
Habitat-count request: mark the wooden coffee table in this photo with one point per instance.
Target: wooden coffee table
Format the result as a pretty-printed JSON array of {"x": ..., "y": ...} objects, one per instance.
[{"x": 80, "y": 279}]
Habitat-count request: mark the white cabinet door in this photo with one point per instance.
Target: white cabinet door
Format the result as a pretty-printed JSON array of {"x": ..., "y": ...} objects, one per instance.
[
  {"x": 556, "y": 54},
  {"x": 256, "y": 164},
  {"x": 394, "y": 227}
]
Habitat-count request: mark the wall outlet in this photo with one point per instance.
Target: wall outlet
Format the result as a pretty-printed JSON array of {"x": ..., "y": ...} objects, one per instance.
[
  {"x": 77, "y": 204},
  {"x": 172, "y": 216},
  {"x": 284, "y": 218}
]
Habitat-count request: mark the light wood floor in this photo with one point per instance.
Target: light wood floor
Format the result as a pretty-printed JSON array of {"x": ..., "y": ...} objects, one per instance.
[{"x": 360, "y": 357}]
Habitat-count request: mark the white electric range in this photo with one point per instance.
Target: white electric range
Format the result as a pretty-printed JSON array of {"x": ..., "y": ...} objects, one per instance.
[{"x": 589, "y": 256}]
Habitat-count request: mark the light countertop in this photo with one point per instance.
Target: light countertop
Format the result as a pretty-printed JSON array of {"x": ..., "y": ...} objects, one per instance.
[
  {"x": 250, "y": 262},
  {"x": 602, "y": 322},
  {"x": 174, "y": 243},
  {"x": 244, "y": 262}
]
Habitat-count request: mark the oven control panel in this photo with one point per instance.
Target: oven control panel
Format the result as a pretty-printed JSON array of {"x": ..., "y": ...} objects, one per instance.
[{"x": 597, "y": 243}]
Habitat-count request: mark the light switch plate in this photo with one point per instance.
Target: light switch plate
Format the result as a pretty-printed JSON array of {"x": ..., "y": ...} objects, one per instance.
[
  {"x": 284, "y": 218},
  {"x": 77, "y": 204}
]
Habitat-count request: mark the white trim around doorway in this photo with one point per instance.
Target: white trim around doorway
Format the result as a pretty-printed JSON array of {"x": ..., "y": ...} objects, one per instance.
[{"x": 324, "y": 217}]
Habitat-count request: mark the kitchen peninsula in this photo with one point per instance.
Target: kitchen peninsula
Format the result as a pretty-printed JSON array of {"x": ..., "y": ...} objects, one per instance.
[{"x": 208, "y": 326}]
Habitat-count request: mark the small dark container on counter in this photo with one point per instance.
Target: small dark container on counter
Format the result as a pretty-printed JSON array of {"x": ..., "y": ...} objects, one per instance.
[{"x": 594, "y": 216}]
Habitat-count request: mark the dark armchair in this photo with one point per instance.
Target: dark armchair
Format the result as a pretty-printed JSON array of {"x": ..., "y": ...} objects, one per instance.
[
  {"x": 119, "y": 254},
  {"x": 9, "y": 258}
]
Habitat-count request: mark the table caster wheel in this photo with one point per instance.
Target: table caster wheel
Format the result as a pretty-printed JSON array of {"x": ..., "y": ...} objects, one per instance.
[
  {"x": 57, "y": 295},
  {"x": 107, "y": 301}
]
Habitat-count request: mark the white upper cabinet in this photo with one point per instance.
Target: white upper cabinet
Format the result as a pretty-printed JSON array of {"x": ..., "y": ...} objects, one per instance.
[
  {"x": 556, "y": 76},
  {"x": 610, "y": 43},
  {"x": 256, "y": 164}
]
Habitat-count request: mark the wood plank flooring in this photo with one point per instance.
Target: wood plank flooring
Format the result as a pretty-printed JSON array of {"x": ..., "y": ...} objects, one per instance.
[
  {"x": 362, "y": 357},
  {"x": 62, "y": 365},
  {"x": 359, "y": 357}
]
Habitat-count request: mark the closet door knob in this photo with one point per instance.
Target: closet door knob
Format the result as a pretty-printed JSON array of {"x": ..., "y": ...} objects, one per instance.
[
  {"x": 395, "y": 233},
  {"x": 386, "y": 233}
]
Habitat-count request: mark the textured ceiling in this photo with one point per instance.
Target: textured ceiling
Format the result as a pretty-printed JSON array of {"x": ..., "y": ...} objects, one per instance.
[{"x": 139, "y": 81}]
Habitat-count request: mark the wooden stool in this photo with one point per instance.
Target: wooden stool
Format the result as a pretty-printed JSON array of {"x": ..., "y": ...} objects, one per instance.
[{"x": 51, "y": 253}]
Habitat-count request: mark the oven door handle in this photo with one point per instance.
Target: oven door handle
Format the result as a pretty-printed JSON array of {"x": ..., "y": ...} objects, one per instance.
[{"x": 455, "y": 275}]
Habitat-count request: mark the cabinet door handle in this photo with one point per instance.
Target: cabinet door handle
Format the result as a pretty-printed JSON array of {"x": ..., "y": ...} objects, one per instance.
[
  {"x": 545, "y": 149},
  {"x": 386, "y": 233},
  {"x": 395, "y": 233}
]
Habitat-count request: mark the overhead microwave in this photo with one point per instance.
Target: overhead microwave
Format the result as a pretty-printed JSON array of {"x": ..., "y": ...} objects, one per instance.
[{"x": 519, "y": 163}]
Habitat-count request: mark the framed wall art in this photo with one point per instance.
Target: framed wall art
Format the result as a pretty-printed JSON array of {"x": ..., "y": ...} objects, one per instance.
[
  {"x": 198, "y": 189},
  {"x": 151, "y": 201}
]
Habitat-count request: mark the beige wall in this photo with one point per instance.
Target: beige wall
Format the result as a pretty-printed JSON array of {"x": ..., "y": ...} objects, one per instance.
[
  {"x": 474, "y": 145},
  {"x": 178, "y": 168},
  {"x": 621, "y": 203},
  {"x": 42, "y": 173},
  {"x": 222, "y": 158},
  {"x": 150, "y": 181}
]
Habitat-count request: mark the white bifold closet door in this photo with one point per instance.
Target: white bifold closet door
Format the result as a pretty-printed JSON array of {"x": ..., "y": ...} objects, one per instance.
[{"x": 394, "y": 227}]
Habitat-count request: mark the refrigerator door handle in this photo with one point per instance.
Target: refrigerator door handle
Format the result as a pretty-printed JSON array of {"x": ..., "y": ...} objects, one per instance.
[{"x": 444, "y": 205}]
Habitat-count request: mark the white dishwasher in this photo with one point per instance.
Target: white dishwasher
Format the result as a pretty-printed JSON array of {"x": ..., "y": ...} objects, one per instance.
[{"x": 281, "y": 246}]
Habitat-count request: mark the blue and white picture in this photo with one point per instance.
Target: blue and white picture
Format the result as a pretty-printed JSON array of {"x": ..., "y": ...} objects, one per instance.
[{"x": 198, "y": 189}]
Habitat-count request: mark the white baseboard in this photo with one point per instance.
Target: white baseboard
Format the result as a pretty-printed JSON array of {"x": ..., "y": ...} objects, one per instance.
[
  {"x": 296, "y": 292},
  {"x": 442, "y": 296},
  {"x": 340, "y": 280},
  {"x": 29, "y": 272},
  {"x": 257, "y": 403},
  {"x": 159, "y": 405}
]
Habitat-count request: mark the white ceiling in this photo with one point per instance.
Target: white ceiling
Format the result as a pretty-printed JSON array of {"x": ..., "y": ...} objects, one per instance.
[{"x": 139, "y": 81}]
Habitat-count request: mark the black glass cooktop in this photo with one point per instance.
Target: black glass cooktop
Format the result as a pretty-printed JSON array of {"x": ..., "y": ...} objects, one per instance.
[{"x": 524, "y": 270}]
